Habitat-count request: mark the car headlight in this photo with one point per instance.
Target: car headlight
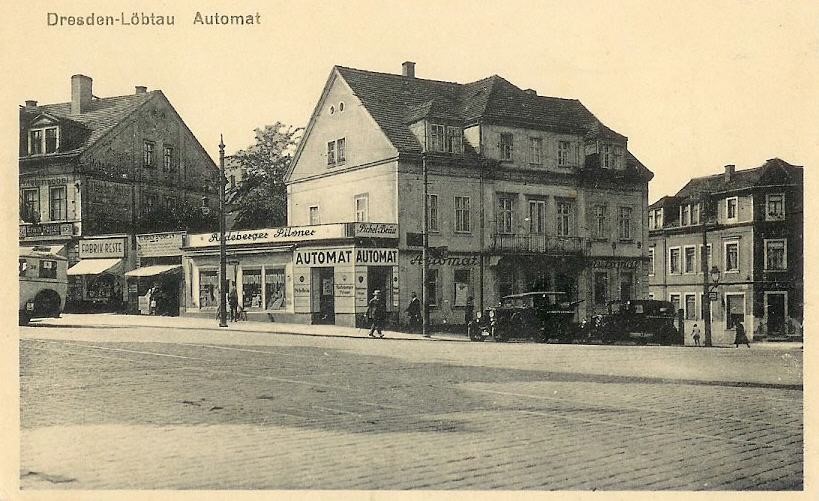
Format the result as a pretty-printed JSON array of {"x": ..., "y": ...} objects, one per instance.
[
  {"x": 491, "y": 313},
  {"x": 478, "y": 315}
]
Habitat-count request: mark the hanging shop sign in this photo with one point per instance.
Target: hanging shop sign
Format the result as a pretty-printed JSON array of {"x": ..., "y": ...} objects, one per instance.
[
  {"x": 625, "y": 264},
  {"x": 159, "y": 244},
  {"x": 333, "y": 257},
  {"x": 102, "y": 248},
  {"x": 269, "y": 235}
]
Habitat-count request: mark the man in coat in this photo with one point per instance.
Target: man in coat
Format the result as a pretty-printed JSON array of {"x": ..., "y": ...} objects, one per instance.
[
  {"x": 414, "y": 312},
  {"x": 377, "y": 313}
]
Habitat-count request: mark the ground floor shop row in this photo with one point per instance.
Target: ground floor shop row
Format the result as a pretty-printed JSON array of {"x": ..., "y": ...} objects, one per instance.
[
  {"x": 765, "y": 314},
  {"x": 334, "y": 284}
]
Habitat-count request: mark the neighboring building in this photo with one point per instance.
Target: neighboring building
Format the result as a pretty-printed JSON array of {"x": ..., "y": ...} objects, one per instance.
[
  {"x": 92, "y": 166},
  {"x": 754, "y": 234},
  {"x": 526, "y": 192}
]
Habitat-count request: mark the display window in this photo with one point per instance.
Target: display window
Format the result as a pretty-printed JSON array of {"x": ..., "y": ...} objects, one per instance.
[
  {"x": 274, "y": 288},
  {"x": 252, "y": 288},
  {"x": 208, "y": 288}
]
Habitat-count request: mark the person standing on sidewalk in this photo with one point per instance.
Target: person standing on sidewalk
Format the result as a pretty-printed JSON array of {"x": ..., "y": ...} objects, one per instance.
[
  {"x": 740, "y": 337},
  {"x": 414, "y": 312},
  {"x": 695, "y": 332},
  {"x": 233, "y": 302},
  {"x": 376, "y": 312}
]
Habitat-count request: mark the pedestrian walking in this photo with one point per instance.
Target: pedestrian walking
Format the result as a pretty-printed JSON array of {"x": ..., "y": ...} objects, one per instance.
[
  {"x": 376, "y": 313},
  {"x": 695, "y": 332},
  {"x": 153, "y": 294},
  {"x": 740, "y": 337},
  {"x": 469, "y": 309},
  {"x": 414, "y": 312},
  {"x": 233, "y": 302}
]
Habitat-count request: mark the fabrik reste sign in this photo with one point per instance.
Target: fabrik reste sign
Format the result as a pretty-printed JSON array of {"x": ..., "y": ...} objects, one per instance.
[
  {"x": 102, "y": 248},
  {"x": 286, "y": 234}
]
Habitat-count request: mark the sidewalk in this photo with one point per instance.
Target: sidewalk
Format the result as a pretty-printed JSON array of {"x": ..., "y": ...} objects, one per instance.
[{"x": 103, "y": 320}]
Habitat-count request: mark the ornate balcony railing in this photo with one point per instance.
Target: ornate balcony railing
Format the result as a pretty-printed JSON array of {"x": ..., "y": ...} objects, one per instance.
[{"x": 538, "y": 244}]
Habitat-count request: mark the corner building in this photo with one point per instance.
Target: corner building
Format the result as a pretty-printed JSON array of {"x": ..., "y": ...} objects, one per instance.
[{"x": 525, "y": 192}]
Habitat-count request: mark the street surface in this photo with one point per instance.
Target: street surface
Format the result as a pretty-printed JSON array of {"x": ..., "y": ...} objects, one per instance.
[{"x": 120, "y": 402}]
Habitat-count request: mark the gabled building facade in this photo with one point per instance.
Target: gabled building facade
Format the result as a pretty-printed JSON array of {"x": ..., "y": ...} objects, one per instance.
[
  {"x": 752, "y": 223},
  {"x": 525, "y": 192},
  {"x": 90, "y": 167}
]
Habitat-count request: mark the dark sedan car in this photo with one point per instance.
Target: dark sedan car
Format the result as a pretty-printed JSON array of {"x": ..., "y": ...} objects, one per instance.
[
  {"x": 539, "y": 315},
  {"x": 640, "y": 320}
]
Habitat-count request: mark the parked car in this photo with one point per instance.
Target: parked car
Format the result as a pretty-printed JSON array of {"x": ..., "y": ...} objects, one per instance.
[
  {"x": 640, "y": 320},
  {"x": 540, "y": 315},
  {"x": 43, "y": 283}
]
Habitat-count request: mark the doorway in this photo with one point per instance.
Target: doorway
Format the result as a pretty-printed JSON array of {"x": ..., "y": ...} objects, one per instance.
[
  {"x": 775, "y": 309},
  {"x": 380, "y": 278},
  {"x": 324, "y": 307}
]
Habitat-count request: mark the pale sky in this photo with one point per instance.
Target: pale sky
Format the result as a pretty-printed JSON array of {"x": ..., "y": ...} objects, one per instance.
[{"x": 694, "y": 85}]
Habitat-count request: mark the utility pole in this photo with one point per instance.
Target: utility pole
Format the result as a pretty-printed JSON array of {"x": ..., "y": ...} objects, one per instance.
[
  {"x": 706, "y": 289},
  {"x": 425, "y": 252},
  {"x": 222, "y": 245}
]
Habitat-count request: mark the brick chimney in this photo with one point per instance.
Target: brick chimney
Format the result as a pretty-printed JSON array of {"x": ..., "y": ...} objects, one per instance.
[
  {"x": 80, "y": 94},
  {"x": 31, "y": 105},
  {"x": 729, "y": 172},
  {"x": 408, "y": 69},
  {"x": 140, "y": 89}
]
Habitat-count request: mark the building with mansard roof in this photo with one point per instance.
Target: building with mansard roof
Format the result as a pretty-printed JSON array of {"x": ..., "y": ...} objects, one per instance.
[
  {"x": 751, "y": 224},
  {"x": 525, "y": 192}
]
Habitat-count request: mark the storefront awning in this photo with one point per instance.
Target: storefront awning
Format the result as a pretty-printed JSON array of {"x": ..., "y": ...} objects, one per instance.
[
  {"x": 150, "y": 271},
  {"x": 93, "y": 266},
  {"x": 45, "y": 249}
]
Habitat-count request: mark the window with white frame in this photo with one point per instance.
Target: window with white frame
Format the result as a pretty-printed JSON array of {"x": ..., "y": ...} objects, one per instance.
[
  {"x": 690, "y": 306},
  {"x": 362, "y": 207},
  {"x": 776, "y": 254},
  {"x": 685, "y": 215},
  {"x": 454, "y": 140},
  {"x": 674, "y": 260},
  {"x": 625, "y": 223},
  {"x": 506, "y": 146},
  {"x": 44, "y": 140},
  {"x": 651, "y": 261},
  {"x": 506, "y": 206},
  {"x": 731, "y": 208},
  {"x": 537, "y": 216},
  {"x": 565, "y": 210},
  {"x": 462, "y": 214},
  {"x": 432, "y": 212},
  {"x": 57, "y": 203},
  {"x": 774, "y": 206},
  {"x": 535, "y": 150},
  {"x": 690, "y": 259},
  {"x": 651, "y": 220},
  {"x": 695, "y": 213},
  {"x": 731, "y": 263},
  {"x": 734, "y": 309},
  {"x": 658, "y": 218},
  {"x": 31, "y": 204},
  {"x": 437, "y": 137},
  {"x": 341, "y": 150},
  {"x": 331, "y": 152},
  {"x": 675, "y": 300},
  {"x": 314, "y": 214},
  {"x": 599, "y": 223},
  {"x": 563, "y": 150}
]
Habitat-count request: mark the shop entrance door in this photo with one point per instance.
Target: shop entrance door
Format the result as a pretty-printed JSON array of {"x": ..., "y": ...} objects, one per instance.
[
  {"x": 776, "y": 313},
  {"x": 380, "y": 278},
  {"x": 323, "y": 291}
]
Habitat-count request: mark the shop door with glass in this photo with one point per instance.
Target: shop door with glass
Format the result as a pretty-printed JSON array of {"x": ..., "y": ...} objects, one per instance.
[
  {"x": 776, "y": 313},
  {"x": 323, "y": 284}
]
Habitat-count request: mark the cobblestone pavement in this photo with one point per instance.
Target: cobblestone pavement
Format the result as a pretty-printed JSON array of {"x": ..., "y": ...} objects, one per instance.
[{"x": 137, "y": 407}]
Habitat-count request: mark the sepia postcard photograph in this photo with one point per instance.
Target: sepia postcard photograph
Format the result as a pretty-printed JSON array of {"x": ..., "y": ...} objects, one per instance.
[{"x": 526, "y": 249}]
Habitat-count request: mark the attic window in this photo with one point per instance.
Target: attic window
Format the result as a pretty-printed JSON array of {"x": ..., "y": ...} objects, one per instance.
[
  {"x": 341, "y": 106},
  {"x": 45, "y": 140},
  {"x": 332, "y": 109}
]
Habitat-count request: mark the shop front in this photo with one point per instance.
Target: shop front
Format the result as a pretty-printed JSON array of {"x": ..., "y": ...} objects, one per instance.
[
  {"x": 613, "y": 278},
  {"x": 97, "y": 281},
  {"x": 158, "y": 277}
]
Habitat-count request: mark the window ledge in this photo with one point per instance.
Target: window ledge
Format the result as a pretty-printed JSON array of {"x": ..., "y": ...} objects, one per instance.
[{"x": 775, "y": 270}]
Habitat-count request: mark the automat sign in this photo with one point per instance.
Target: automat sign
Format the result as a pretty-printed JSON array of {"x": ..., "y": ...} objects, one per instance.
[{"x": 332, "y": 257}]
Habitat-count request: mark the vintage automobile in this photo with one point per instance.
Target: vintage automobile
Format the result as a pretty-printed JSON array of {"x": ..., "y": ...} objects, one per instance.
[
  {"x": 640, "y": 320},
  {"x": 43, "y": 283},
  {"x": 541, "y": 315}
]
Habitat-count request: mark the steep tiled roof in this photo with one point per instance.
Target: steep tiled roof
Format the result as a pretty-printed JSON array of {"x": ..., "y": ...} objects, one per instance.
[
  {"x": 102, "y": 115},
  {"x": 740, "y": 179},
  {"x": 394, "y": 101}
]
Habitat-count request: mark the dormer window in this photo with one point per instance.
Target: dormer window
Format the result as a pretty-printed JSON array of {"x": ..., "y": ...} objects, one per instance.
[
  {"x": 445, "y": 139},
  {"x": 45, "y": 140},
  {"x": 506, "y": 146}
]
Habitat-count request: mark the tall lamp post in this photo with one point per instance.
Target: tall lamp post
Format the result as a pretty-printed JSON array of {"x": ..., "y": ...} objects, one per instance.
[
  {"x": 222, "y": 245},
  {"x": 708, "y": 289}
]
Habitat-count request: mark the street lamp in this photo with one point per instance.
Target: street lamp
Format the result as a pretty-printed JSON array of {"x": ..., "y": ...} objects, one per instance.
[{"x": 714, "y": 275}]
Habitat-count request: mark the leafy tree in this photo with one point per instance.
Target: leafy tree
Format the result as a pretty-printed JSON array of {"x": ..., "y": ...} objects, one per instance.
[{"x": 260, "y": 200}]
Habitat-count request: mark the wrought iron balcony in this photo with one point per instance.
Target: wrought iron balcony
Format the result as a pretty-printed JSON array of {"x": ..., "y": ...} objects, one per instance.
[{"x": 538, "y": 244}]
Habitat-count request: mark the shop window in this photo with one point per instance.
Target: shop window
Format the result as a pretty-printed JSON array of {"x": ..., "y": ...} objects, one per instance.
[
  {"x": 735, "y": 309},
  {"x": 274, "y": 284},
  {"x": 208, "y": 289},
  {"x": 251, "y": 288},
  {"x": 462, "y": 288},
  {"x": 601, "y": 288},
  {"x": 48, "y": 269},
  {"x": 432, "y": 287}
]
